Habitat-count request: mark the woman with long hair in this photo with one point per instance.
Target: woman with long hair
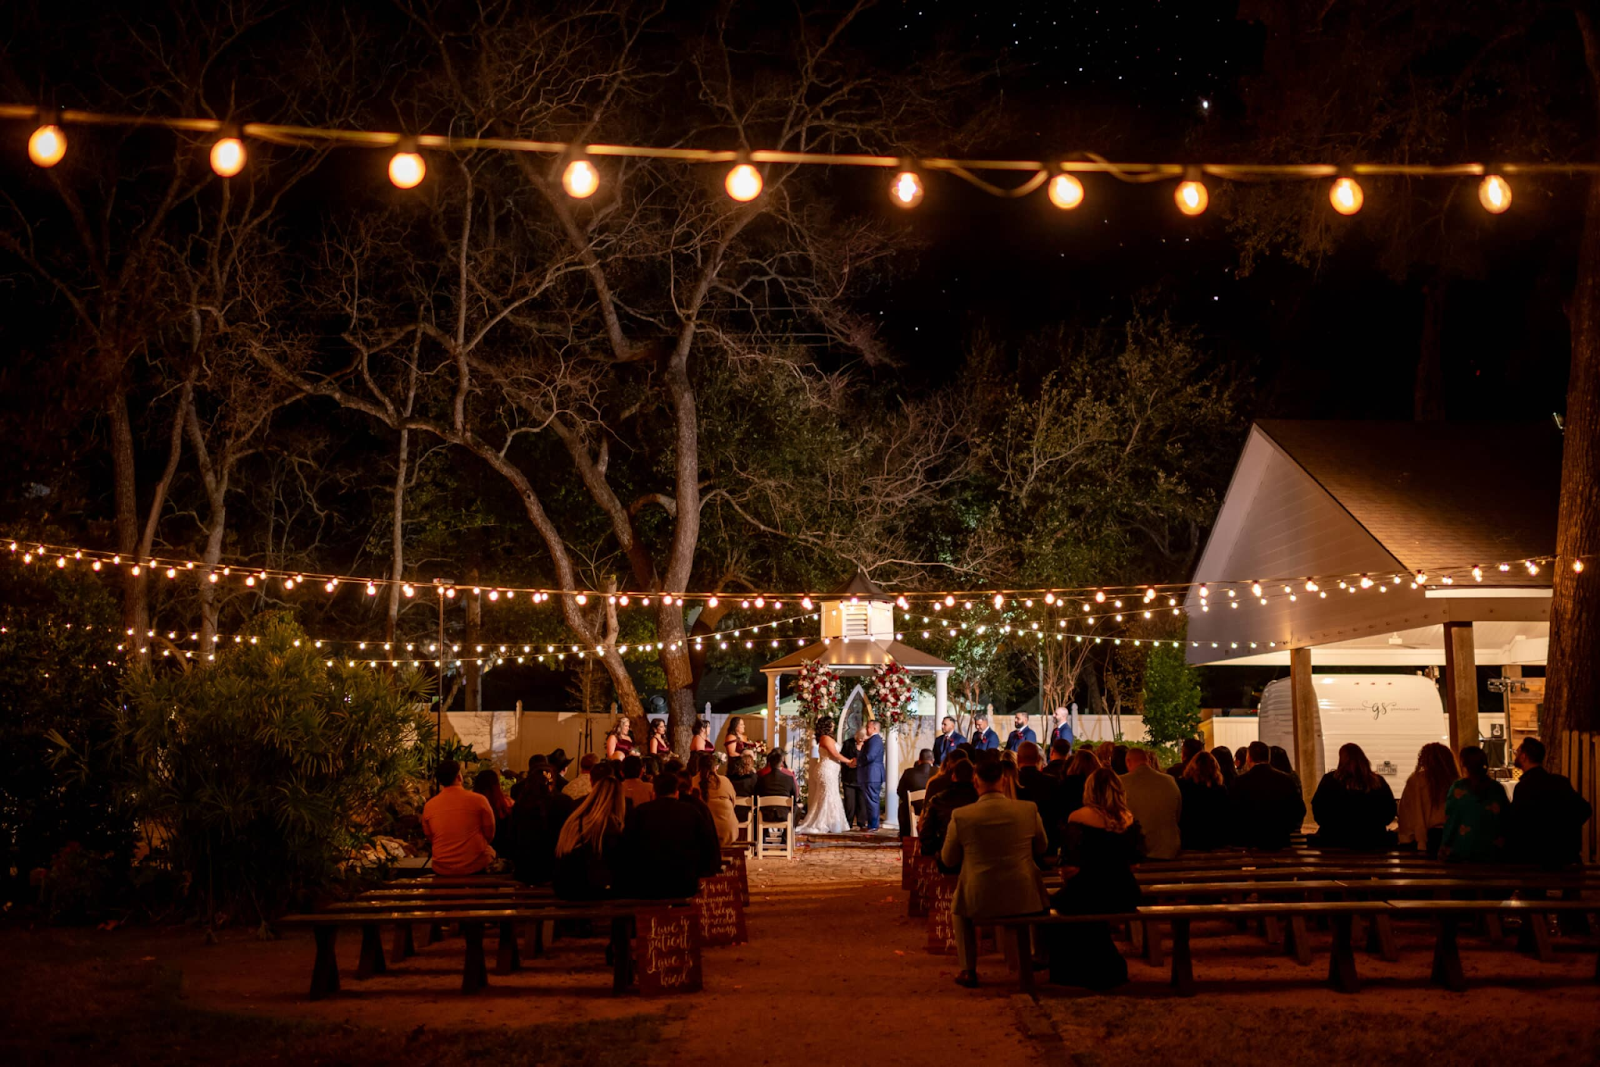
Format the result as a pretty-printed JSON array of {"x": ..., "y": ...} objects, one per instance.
[
  {"x": 1225, "y": 766},
  {"x": 1475, "y": 813},
  {"x": 717, "y": 793},
  {"x": 487, "y": 785},
  {"x": 535, "y": 824},
  {"x": 589, "y": 848},
  {"x": 1102, "y": 844},
  {"x": 1352, "y": 805},
  {"x": 619, "y": 742},
  {"x": 733, "y": 740},
  {"x": 701, "y": 740},
  {"x": 1422, "y": 800},
  {"x": 1080, "y": 765},
  {"x": 1203, "y": 822},
  {"x": 825, "y": 812},
  {"x": 1119, "y": 758},
  {"x": 656, "y": 743},
  {"x": 1278, "y": 760}
]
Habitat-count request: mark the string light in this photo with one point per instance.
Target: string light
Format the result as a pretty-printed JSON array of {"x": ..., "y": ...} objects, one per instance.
[
  {"x": 1191, "y": 195},
  {"x": 743, "y": 182},
  {"x": 228, "y": 157},
  {"x": 407, "y": 169},
  {"x": 1494, "y": 193},
  {"x": 580, "y": 179},
  {"x": 906, "y": 189},
  {"x": 1065, "y": 191},
  {"x": 1346, "y": 196},
  {"x": 47, "y": 145}
]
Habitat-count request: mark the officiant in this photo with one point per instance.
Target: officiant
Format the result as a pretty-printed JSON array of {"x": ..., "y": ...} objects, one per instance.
[{"x": 854, "y": 807}]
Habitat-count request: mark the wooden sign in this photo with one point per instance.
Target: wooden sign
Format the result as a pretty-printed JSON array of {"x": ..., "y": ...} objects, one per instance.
[
  {"x": 721, "y": 911},
  {"x": 743, "y": 872},
  {"x": 666, "y": 951},
  {"x": 941, "y": 930},
  {"x": 908, "y": 857},
  {"x": 923, "y": 869}
]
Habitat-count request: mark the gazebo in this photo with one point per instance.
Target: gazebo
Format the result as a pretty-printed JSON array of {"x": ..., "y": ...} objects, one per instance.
[{"x": 858, "y": 636}]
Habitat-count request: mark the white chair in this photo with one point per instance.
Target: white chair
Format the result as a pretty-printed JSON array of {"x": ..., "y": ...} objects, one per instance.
[
  {"x": 786, "y": 804},
  {"x": 913, "y": 798},
  {"x": 747, "y": 823}
]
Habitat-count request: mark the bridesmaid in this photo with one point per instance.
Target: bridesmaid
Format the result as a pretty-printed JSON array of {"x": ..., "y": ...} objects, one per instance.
[
  {"x": 619, "y": 742},
  {"x": 656, "y": 743},
  {"x": 733, "y": 741},
  {"x": 701, "y": 741}
]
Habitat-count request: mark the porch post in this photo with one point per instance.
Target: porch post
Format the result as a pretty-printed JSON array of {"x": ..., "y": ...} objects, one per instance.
[
  {"x": 1460, "y": 685},
  {"x": 1303, "y": 695}
]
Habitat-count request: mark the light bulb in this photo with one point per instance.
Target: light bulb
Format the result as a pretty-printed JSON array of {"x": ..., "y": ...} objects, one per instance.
[
  {"x": 580, "y": 179},
  {"x": 906, "y": 189},
  {"x": 743, "y": 182},
  {"x": 47, "y": 145},
  {"x": 228, "y": 157},
  {"x": 1494, "y": 193},
  {"x": 406, "y": 170},
  {"x": 1065, "y": 191},
  {"x": 1346, "y": 196},
  {"x": 1191, "y": 197}
]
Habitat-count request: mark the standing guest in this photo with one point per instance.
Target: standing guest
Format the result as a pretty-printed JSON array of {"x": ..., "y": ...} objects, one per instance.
[
  {"x": 1061, "y": 728},
  {"x": 1224, "y": 760},
  {"x": 656, "y": 743},
  {"x": 855, "y": 812},
  {"x": 1103, "y": 843},
  {"x": 1421, "y": 808},
  {"x": 1191, "y": 746},
  {"x": 1119, "y": 759},
  {"x": 635, "y": 790},
  {"x": 619, "y": 742},
  {"x": 1082, "y": 764},
  {"x": 996, "y": 844},
  {"x": 913, "y": 779},
  {"x": 1264, "y": 805},
  {"x": 671, "y": 844},
  {"x": 701, "y": 739},
  {"x": 589, "y": 850},
  {"x": 1353, "y": 806},
  {"x": 459, "y": 825},
  {"x": 1060, "y": 753},
  {"x": 734, "y": 741},
  {"x": 1041, "y": 790},
  {"x": 1278, "y": 759},
  {"x": 717, "y": 793},
  {"x": 776, "y": 781},
  {"x": 742, "y": 775},
  {"x": 957, "y": 793},
  {"x": 1021, "y": 733},
  {"x": 983, "y": 738},
  {"x": 1475, "y": 814},
  {"x": 947, "y": 741},
  {"x": 1203, "y": 823},
  {"x": 1156, "y": 802},
  {"x": 1547, "y": 814},
  {"x": 579, "y": 787},
  {"x": 487, "y": 783},
  {"x": 536, "y": 820}
]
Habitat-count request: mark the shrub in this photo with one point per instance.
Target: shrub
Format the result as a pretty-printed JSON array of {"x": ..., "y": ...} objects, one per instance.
[
  {"x": 1171, "y": 697},
  {"x": 256, "y": 775}
]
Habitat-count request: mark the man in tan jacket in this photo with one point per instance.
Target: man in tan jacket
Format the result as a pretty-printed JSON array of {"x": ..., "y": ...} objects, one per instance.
[
  {"x": 996, "y": 843},
  {"x": 1157, "y": 802}
]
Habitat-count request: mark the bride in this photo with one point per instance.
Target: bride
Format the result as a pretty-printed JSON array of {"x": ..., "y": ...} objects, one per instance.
[{"x": 827, "y": 804}]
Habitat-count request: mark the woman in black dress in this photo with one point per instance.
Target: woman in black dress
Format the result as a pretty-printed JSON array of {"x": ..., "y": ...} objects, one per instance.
[
  {"x": 589, "y": 852},
  {"x": 1102, "y": 844},
  {"x": 535, "y": 821},
  {"x": 1352, "y": 805},
  {"x": 1204, "y": 821}
]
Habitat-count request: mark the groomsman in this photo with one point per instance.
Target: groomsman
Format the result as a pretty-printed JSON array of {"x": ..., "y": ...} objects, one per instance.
[
  {"x": 1062, "y": 730},
  {"x": 983, "y": 738},
  {"x": 948, "y": 741},
  {"x": 1020, "y": 732}
]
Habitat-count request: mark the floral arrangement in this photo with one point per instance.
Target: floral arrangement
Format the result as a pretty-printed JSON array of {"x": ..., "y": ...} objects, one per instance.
[
  {"x": 892, "y": 693},
  {"x": 817, "y": 686}
]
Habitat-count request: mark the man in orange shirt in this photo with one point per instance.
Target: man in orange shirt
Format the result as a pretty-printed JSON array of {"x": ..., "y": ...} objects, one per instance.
[{"x": 459, "y": 824}]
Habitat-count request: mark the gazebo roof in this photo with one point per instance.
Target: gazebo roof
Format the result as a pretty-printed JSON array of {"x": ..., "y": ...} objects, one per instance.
[
  {"x": 862, "y": 586},
  {"x": 859, "y": 653}
]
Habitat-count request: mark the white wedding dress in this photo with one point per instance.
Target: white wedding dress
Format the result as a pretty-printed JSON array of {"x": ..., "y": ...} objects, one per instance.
[{"x": 826, "y": 813}]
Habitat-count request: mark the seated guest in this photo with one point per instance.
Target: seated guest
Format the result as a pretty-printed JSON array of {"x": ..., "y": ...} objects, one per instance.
[
  {"x": 776, "y": 781},
  {"x": 1352, "y": 805},
  {"x": 1119, "y": 758},
  {"x": 1421, "y": 808},
  {"x": 742, "y": 773},
  {"x": 671, "y": 844},
  {"x": 1082, "y": 764},
  {"x": 1278, "y": 760},
  {"x": 578, "y": 788},
  {"x": 1224, "y": 760},
  {"x": 589, "y": 850},
  {"x": 957, "y": 793},
  {"x": 1241, "y": 760},
  {"x": 716, "y": 792},
  {"x": 635, "y": 790},
  {"x": 1191, "y": 747},
  {"x": 1156, "y": 803},
  {"x": 1106, "y": 752},
  {"x": 1101, "y": 846},
  {"x": 459, "y": 825},
  {"x": 996, "y": 844},
  {"x": 536, "y": 820},
  {"x": 1203, "y": 823},
  {"x": 1264, "y": 805},
  {"x": 1475, "y": 814},
  {"x": 487, "y": 783},
  {"x": 1547, "y": 814},
  {"x": 913, "y": 779},
  {"x": 1043, "y": 791},
  {"x": 941, "y": 778},
  {"x": 1060, "y": 753}
]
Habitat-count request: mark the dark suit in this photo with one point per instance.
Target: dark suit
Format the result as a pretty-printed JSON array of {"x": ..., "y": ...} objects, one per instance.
[
  {"x": 912, "y": 779},
  {"x": 1045, "y": 792},
  {"x": 1017, "y": 737},
  {"x": 1547, "y": 817},
  {"x": 855, "y": 812},
  {"x": 671, "y": 844},
  {"x": 870, "y": 776},
  {"x": 944, "y": 745},
  {"x": 1062, "y": 732},
  {"x": 771, "y": 783},
  {"x": 987, "y": 741},
  {"x": 1265, "y": 807}
]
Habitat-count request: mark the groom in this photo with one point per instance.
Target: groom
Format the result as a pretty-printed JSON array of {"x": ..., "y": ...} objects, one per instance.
[{"x": 870, "y": 773}]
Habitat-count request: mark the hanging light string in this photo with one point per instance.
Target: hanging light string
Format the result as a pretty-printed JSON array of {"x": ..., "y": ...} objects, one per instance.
[{"x": 581, "y": 178}]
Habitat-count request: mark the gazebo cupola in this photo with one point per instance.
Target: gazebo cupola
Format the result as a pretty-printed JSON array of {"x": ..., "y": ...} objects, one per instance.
[{"x": 858, "y": 610}]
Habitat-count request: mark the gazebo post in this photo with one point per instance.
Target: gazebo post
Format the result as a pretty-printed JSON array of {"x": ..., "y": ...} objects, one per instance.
[
  {"x": 1460, "y": 685},
  {"x": 773, "y": 741},
  {"x": 941, "y": 697}
]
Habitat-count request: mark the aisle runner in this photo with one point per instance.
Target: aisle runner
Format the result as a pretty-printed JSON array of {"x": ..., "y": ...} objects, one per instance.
[{"x": 666, "y": 951}]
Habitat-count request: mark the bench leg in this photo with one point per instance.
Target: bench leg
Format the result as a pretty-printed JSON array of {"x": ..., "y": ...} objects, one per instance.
[
  {"x": 1447, "y": 957},
  {"x": 1024, "y": 950},
  {"x": 1297, "y": 942},
  {"x": 1534, "y": 936},
  {"x": 1342, "y": 960},
  {"x": 371, "y": 962},
  {"x": 508, "y": 959},
  {"x": 325, "y": 971},
  {"x": 535, "y": 946},
  {"x": 401, "y": 946},
  {"x": 1493, "y": 928},
  {"x": 621, "y": 957},
  {"x": 435, "y": 932},
  {"x": 1182, "y": 965},
  {"x": 1152, "y": 944},
  {"x": 1271, "y": 929},
  {"x": 474, "y": 975},
  {"x": 1382, "y": 930}
]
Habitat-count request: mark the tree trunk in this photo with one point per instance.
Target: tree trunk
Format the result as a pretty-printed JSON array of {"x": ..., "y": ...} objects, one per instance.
[
  {"x": 397, "y": 544},
  {"x": 135, "y": 587},
  {"x": 217, "y": 527},
  {"x": 472, "y": 669},
  {"x": 1428, "y": 390}
]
